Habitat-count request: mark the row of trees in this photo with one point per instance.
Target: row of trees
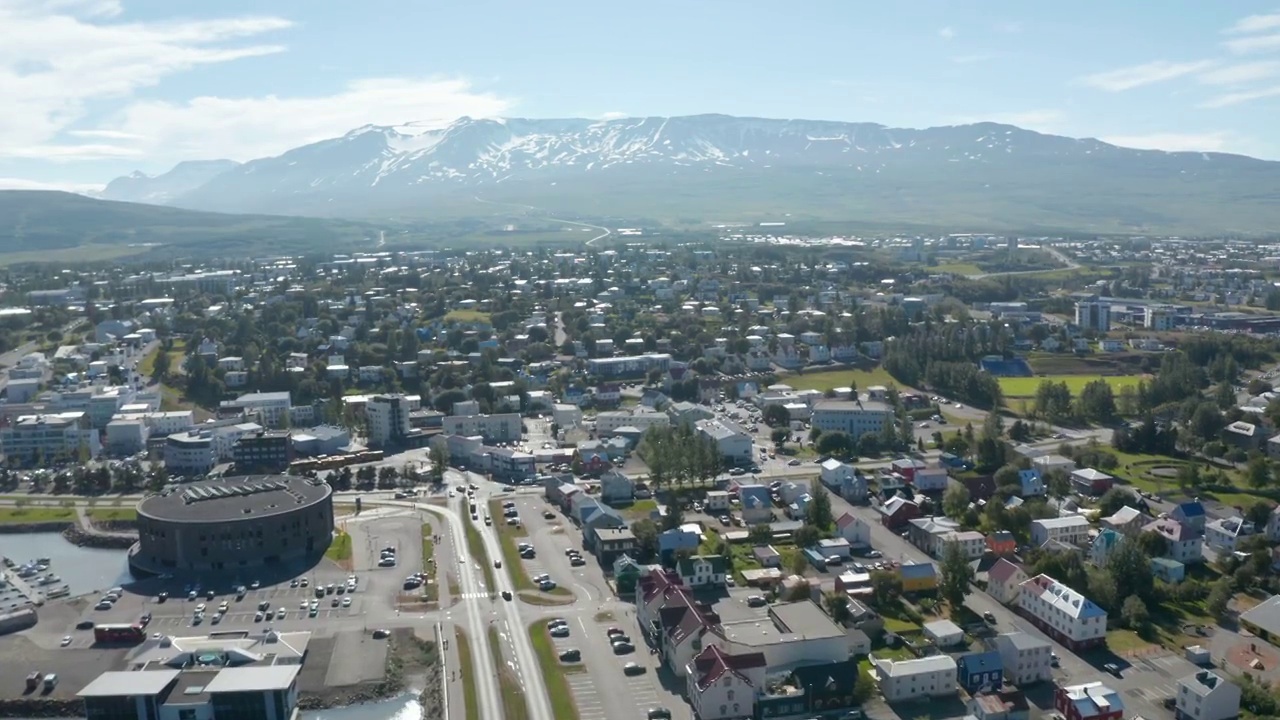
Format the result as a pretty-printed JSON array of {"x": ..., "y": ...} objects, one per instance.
[{"x": 678, "y": 456}]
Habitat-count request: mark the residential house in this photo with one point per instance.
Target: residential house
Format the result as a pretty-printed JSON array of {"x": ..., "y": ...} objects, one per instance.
[
  {"x": 1127, "y": 521},
  {"x": 931, "y": 478},
  {"x": 1026, "y": 659},
  {"x": 854, "y": 529},
  {"x": 626, "y": 574},
  {"x": 901, "y": 680},
  {"x": 757, "y": 506},
  {"x": 1048, "y": 463},
  {"x": 1170, "y": 571},
  {"x": 703, "y": 571},
  {"x": 1183, "y": 543},
  {"x": 716, "y": 501},
  {"x": 1206, "y": 695},
  {"x": 1063, "y": 613},
  {"x": 1004, "y": 581},
  {"x": 1223, "y": 534},
  {"x": 767, "y": 556},
  {"x": 616, "y": 488},
  {"x": 1088, "y": 481},
  {"x": 721, "y": 686},
  {"x": 897, "y": 512},
  {"x": 1002, "y": 542},
  {"x": 1002, "y": 704},
  {"x": 833, "y": 472},
  {"x": 1242, "y": 434},
  {"x": 672, "y": 542},
  {"x": 1102, "y": 546},
  {"x": 1191, "y": 514},
  {"x": 918, "y": 577},
  {"x": 977, "y": 671},
  {"x": 943, "y": 633},
  {"x": 1031, "y": 482},
  {"x": 929, "y": 533},
  {"x": 1088, "y": 701},
  {"x": 1072, "y": 530},
  {"x": 610, "y": 543}
]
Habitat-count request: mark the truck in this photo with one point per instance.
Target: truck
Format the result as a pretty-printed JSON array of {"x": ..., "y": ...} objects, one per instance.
[{"x": 119, "y": 633}]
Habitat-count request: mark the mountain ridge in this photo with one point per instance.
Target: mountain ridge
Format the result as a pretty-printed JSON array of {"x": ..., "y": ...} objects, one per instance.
[
  {"x": 980, "y": 175},
  {"x": 184, "y": 177}
]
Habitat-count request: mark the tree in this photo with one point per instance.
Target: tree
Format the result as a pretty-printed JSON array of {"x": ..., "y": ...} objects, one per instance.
[
  {"x": 1219, "y": 597},
  {"x": 438, "y": 457},
  {"x": 837, "y": 605},
  {"x": 1058, "y": 483},
  {"x": 760, "y": 534},
  {"x": 776, "y": 416},
  {"x": 1258, "y": 473},
  {"x": 806, "y": 536},
  {"x": 1130, "y": 568},
  {"x": 797, "y": 563},
  {"x": 886, "y": 588},
  {"x": 956, "y": 575},
  {"x": 836, "y": 444},
  {"x": 1133, "y": 613},
  {"x": 818, "y": 512},
  {"x": 779, "y": 436},
  {"x": 160, "y": 367},
  {"x": 1112, "y": 500},
  {"x": 1097, "y": 401},
  {"x": 955, "y": 501},
  {"x": 646, "y": 532}
]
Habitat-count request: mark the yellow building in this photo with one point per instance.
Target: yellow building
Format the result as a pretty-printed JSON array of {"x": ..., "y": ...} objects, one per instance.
[{"x": 918, "y": 577}]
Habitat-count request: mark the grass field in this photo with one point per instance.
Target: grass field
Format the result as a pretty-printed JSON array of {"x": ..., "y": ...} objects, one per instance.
[
  {"x": 475, "y": 545},
  {"x": 108, "y": 514},
  {"x": 955, "y": 268},
  {"x": 36, "y": 514},
  {"x": 553, "y": 672},
  {"x": 466, "y": 316},
  {"x": 826, "y": 380},
  {"x": 1025, "y": 387},
  {"x": 340, "y": 548},
  {"x": 470, "y": 696},
  {"x": 431, "y": 589}
]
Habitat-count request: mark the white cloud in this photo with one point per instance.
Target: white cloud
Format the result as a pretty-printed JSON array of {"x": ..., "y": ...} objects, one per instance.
[
  {"x": 59, "y": 56},
  {"x": 253, "y": 127},
  {"x": 1173, "y": 142},
  {"x": 1243, "y": 96},
  {"x": 1255, "y": 23},
  {"x": 1256, "y": 43},
  {"x": 947, "y": 33},
  {"x": 614, "y": 115},
  {"x": 1134, "y": 76},
  {"x": 1241, "y": 74},
  {"x": 7, "y": 183}
]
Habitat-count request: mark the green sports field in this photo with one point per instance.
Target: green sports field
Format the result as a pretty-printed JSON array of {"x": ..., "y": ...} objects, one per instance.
[{"x": 1025, "y": 387}]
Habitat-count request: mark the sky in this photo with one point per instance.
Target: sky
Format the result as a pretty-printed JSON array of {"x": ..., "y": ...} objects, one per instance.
[{"x": 94, "y": 89}]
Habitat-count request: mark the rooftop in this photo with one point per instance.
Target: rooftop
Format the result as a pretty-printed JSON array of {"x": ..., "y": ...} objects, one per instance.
[
  {"x": 124, "y": 683},
  {"x": 235, "y": 499},
  {"x": 253, "y": 679},
  {"x": 917, "y": 666}
]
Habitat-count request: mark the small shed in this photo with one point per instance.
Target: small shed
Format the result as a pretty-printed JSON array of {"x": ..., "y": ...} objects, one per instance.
[{"x": 944, "y": 633}]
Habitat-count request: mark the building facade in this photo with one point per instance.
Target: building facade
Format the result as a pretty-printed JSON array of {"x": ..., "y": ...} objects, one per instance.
[
  {"x": 855, "y": 418},
  {"x": 1068, "y": 616}
]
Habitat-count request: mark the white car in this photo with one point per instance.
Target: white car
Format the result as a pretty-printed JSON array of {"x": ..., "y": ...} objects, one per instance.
[
  {"x": 66, "y": 640},
  {"x": 346, "y": 602}
]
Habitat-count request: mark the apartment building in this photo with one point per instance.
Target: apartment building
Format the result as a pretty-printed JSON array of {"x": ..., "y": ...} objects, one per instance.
[
  {"x": 39, "y": 438},
  {"x": 1027, "y": 658},
  {"x": 856, "y": 418},
  {"x": 1071, "y": 618},
  {"x": 272, "y": 407},
  {"x": 190, "y": 453},
  {"x": 493, "y": 428},
  {"x": 610, "y": 421},
  {"x": 388, "y": 417},
  {"x": 733, "y": 442},
  {"x": 721, "y": 686},
  {"x": 630, "y": 366},
  {"x": 1072, "y": 530},
  {"x": 264, "y": 451},
  {"x": 901, "y": 680}
]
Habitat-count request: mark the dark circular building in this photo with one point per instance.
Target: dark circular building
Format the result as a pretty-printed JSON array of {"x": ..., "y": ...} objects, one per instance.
[{"x": 225, "y": 525}]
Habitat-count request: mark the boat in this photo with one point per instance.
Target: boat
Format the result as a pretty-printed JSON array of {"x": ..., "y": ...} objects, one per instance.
[
  {"x": 49, "y": 580},
  {"x": 60, "y": 591},
  {"x": 44, "y": 561}
]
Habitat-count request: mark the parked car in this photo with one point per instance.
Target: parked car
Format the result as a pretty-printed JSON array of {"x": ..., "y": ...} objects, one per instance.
[
  {"x": 571, "y": 655},
  {"x": 633, "y": 668},
  {"x": 623, "y": 648}
]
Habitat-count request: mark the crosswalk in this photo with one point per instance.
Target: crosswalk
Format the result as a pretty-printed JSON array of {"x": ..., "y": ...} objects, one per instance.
[
  {"x": 585, "y": 696},
  {"x": 476, "y": 595}
]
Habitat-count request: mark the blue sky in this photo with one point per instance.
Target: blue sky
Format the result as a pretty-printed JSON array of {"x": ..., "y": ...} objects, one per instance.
[{"x": 93, "y": 89}]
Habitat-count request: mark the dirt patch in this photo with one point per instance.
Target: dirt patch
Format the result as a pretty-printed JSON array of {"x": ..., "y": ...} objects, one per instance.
[
  {"x": 408, "y": 656},
  {"x": 1253, "y": 656}
]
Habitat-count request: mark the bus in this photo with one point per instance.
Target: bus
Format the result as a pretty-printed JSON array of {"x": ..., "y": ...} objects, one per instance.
[{"x": 119, "y": 633}]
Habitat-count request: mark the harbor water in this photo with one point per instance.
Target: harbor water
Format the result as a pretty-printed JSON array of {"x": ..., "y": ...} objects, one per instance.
[{"x": 84, "y": 570}]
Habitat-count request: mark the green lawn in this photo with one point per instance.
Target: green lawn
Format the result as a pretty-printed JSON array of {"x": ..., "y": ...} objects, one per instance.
[
  {"x": 553, "y": 672},
  {"x": 1025, "y": 387},
  {"x": 109, "y": 514},
  {"x": 475, "y": 545},
  {"x": 894, "y": 625},
  {"x": 513, "y": 704},
  {"x": 470, "y": 696},
  {"x": 467, "y": 316},
  {"x": 36, "y": 514},
  {"x": 830, "y": 379},
  {"x": 955, "y": 268},
  {"x": 340, "y": 549},
  {"x": 640, "y": 509},
  {"x": 1123, "y": 641},
  {"x": 432, "y": 590}
]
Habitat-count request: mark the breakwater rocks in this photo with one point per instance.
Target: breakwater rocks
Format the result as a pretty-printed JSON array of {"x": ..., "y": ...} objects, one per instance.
[
  {"x": 38, "y": 707},
  {"x": 75, "y": 535},
  {"x": 35, "y": 527}
]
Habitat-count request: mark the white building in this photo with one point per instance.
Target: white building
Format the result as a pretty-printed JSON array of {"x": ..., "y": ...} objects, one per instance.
[
  {"x": 722, "y": 686},
  {"x": 791, "y": 634},
  {"x": 901, "y": 680},
  {"x": 1206, "y": 695},
  {"x": 1073, "y": 530},
  {"x": 1093, "y": 315},
  {"x": 1223, "y": 534},
  {"x": 1027, "y": 659},
  {"x": 1184, "y": 544},
  {"x": 1046, "y": 463},
  {"x": 856, "y": 418},
  {"x": 608, "y": 422},
  {"x": 388, "y": 417},
  {"x": 733, "y": 442},
  {"x": 273, "y": 407},
  {"x": 505, "y": 427},
  {"x": 1071, "y": 618},
  {"x": 42, "y": 438},
  {"x": 930, "y": 479},
  {"x": 190, "y": 453}
]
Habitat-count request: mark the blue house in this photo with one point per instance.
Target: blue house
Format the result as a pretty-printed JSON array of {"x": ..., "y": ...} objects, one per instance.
[
  {"x": 673, "y": 541},
  {"x": 1190, "y": 514},
  {"x": 980, "y": 670},
  {"x": 1031, "y": 482},
  {"x": 954, "y": 461},
  {"x": 757, "y": 506}
]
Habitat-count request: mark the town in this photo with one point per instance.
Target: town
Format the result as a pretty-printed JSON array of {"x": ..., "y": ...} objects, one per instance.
[{"x": 754, "y": 476}]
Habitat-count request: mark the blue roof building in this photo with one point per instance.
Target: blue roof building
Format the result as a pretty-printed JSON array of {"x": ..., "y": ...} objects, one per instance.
[
  {"x": 1190, "y": 514},
  {"x": 980, "y": 670}
]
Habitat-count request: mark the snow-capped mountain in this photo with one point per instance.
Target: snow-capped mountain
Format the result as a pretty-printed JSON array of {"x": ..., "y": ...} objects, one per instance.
[
  {"x": 164, "y": 188},
  {"x": 639, "y": 166}
]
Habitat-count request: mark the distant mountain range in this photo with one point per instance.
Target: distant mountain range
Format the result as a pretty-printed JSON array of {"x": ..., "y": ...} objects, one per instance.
[{"x": 703, "y": 168}]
